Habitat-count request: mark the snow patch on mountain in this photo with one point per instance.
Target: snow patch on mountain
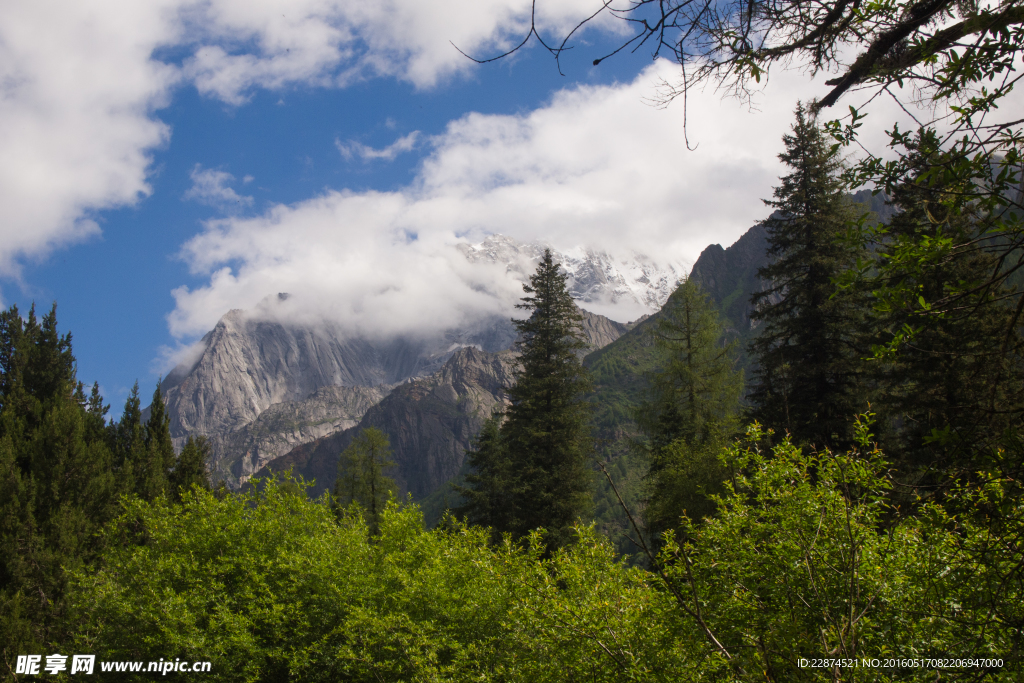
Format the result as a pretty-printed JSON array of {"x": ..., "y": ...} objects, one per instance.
[{"x": 622, "y": 287}]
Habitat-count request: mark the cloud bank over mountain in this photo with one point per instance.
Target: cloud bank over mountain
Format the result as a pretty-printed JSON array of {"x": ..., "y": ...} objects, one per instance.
[{"x": 597, "y": 167}]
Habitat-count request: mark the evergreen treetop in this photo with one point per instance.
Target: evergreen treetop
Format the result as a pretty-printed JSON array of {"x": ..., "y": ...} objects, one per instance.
[
  {"x": 546, "y": 435},
  {"x": 190, "y": 467},
  {"x": 491, "y": 484},
  {"x": 808, "y": 375},
  {"x": 689, "y": 412},
  {"x": 362, "y": 475},
  {"x": 695, "y": 392}
]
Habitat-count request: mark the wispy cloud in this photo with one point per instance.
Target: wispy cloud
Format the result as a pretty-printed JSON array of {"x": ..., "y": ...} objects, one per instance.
[
  {"x": 211, "y": 187},
  {"x": 352, "y": 148}
]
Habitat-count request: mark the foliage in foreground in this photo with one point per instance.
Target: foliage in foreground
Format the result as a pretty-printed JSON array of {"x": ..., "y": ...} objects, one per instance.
[{"x": 803, "y": 559}]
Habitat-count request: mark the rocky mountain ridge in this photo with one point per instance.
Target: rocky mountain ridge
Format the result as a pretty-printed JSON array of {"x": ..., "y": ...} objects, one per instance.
[
  {"x": 252, "y": 385},
  {"x": 259, "y": 387},
  {"x": 430, "y": 423}
]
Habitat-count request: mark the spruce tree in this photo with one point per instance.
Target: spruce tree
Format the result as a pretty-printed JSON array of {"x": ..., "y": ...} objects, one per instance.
[
  {"x": 546, "y": 433},
  {"x": 690, "y": 410},
  {"x": 190, "y": 468},
  {"x": 362, "y": 479},
  {"x": 96, "y": 413},
  {"x": 491, "y": 483},
  {"x": 808, "y": 377},
  {"x": 131, "y": 458},
  {"x": 160, "y": 456}
]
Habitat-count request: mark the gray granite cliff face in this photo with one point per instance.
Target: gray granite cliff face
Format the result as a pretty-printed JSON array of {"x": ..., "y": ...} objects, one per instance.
[
  {"x": 601, "y": 331},
  {"x": 283, "y": 426},
  {"x": 260, "y": 388},
  {"x": 248, "y": 365},
  {"x": 430, "y": 422}
]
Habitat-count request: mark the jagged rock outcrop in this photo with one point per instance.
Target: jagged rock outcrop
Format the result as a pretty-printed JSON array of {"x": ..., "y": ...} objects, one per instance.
[
  {"x": 283, "y": 426},
  {"x": 729, "y": 276},
  {"x": 600, "y": 331},
  {"x": 430, "y": 423}
]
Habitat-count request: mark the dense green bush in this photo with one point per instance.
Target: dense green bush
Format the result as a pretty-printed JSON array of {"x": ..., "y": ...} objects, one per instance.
[
  {"x": 803, "y": 559},
  {"x": 268, "y": 585}
]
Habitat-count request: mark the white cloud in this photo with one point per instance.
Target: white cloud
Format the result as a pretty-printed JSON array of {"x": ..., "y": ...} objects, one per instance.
[
  {"x": 80, "y": 87},
  {"x": 170, "y": 357},
  {"x": 347, "y": 257},
  {"x": 77, "y": 96},
  {"x": 246, "y": 44},
  {"x": 210, "y": 187},
  {"x": 350, "y": 149},
  {"x": 594, "y": 167}
]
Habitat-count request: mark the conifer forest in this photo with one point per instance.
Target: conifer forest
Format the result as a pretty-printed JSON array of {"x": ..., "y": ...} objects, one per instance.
[{"x": 825, "y": 486}]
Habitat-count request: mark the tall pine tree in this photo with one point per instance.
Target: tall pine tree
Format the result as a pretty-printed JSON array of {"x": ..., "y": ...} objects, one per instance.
[
  {"x": 160, "y": 456},
  {"x": 690, "y": 410},
  {"x": 128, "y": 440},
  {"x": 362, "y": 475},
  {"x": 808, "y": 376},
  {"x": 491, "y": 484},
  {"x": 536, "y": 463}
]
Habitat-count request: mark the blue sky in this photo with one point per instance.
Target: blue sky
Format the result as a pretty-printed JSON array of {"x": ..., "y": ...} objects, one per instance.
[{"x": 161, "y": 163}]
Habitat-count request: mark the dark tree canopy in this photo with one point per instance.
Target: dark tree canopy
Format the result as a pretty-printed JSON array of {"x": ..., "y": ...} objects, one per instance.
[
  {"x": 807, "y": 380},
  {"x": 362, "y": 475},
  {"x": 532, "y": 471},
  {"x": 57, "y": 489},
  {"x": 955, "y": 387},
  {"x": 190, "y": 467},
  {"x": 492, "y": 484}
]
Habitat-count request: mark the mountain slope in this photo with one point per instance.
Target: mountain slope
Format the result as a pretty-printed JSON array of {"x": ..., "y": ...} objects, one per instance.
[
  {"x": 729, "y": 276},
  {"x": 285, "y": 425},
  {"x": 431, "y": 421}
]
